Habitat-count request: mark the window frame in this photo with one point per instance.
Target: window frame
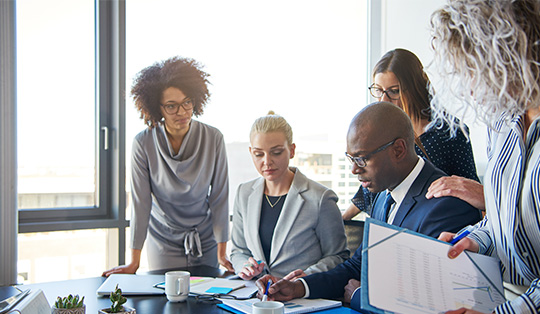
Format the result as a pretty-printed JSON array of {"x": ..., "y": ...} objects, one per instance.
[
  {"x": 110, "y": 85},
  {"x": 109, "y": 211}
]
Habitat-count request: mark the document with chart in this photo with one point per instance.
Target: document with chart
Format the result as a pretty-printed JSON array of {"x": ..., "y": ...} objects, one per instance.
[{"x": 406, "y": 272}]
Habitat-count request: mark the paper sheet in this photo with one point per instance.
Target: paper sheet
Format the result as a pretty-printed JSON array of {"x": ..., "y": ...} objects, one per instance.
[
  {"x": 291, "y": 307},
  {"x": 203, "y": 286},
  {"x": 247, "y": 291},
  {"x": 412, "y": 274}
]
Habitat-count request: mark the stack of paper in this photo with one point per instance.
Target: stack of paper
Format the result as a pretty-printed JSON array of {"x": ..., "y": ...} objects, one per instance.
[{"x": 291, "y": 307}]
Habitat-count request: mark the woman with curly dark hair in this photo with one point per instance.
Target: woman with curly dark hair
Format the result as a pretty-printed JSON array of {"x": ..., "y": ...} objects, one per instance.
[{"x": 179, "y": 179}]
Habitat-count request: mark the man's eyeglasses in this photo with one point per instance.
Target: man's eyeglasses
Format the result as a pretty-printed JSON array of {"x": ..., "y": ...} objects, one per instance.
[
  {"x": 173, "y": 108},
  {"x": 214, "y": 298},
  {"x": 377, "y": 92},
  {"x": 360, "y": 161}
]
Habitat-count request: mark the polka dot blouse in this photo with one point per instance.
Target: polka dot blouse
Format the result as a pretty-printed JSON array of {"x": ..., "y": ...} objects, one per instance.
[{"x": 452, "y": 155}]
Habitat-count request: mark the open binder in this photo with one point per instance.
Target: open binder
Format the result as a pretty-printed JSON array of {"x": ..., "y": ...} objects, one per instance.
[{"x": 407, "y": 272}]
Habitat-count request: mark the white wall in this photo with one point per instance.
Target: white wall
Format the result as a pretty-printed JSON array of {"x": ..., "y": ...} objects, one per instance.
[{"x": 406, "y": 24}]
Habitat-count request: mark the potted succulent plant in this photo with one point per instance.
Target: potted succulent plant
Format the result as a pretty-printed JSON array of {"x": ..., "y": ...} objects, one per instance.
[
  {"x": 69, "y": 305},
  {"x": 117, "y": 305}
]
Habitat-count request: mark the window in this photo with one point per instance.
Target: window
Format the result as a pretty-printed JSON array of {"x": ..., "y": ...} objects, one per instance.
[
  {"x": 289, "y": 57},
  {"x": 40, "y": 260},
  {"x": 56, "y": 104},
  {"x": 305, "y": 60},
  {"x": 70, "y": 136}
]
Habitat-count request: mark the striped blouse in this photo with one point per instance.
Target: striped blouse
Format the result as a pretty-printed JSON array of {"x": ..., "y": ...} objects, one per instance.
[{"x": 511, "y": 229}]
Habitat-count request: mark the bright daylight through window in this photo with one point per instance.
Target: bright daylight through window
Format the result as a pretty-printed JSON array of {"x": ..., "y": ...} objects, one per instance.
[
  {"x": 305, "y": 60},
  {"x": 302, "y": 59}
]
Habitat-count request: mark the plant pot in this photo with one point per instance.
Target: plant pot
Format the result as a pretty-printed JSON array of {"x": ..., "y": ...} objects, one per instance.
[
  {"x": 78, "y": 310},
  {"x": 127, "y": 310}
]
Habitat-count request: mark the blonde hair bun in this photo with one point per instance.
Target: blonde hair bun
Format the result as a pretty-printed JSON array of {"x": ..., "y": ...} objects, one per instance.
[{"x": 272, "y": 123}]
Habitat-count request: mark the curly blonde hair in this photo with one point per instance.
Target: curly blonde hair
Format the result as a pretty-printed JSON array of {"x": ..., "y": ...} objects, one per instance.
[{"x": 488, "y": 54}]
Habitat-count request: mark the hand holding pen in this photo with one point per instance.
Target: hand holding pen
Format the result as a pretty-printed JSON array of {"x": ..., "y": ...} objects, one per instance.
[
  {"x": 263, "y": 285},
  {"x": 279, "y": 289},
  {"x": 459, "y": 242},
  {"x": 251, "y": 269},
  {"x": 461, "y": 234},
  {"x": 265, "y": 296}
]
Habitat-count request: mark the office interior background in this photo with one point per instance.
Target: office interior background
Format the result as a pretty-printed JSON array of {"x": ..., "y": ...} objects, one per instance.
[{"x": 67, "y": 120}]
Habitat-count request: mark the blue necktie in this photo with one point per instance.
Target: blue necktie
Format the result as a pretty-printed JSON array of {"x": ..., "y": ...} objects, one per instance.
[{"x": 387, "y": 204}]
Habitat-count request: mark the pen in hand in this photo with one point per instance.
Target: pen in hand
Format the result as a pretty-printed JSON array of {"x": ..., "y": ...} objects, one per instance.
[
  {"x": 265, "y": 296},
  {"x": 461, "y": 234}
]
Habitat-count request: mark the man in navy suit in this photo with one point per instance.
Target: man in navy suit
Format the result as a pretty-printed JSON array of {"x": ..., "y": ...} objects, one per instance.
[{"x": 380, "y": 146}]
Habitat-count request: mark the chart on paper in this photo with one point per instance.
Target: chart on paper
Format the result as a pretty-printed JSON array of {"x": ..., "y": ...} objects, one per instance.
[
  {"x": 484, "y": 296},
  {"x": 414, "y": 275}
]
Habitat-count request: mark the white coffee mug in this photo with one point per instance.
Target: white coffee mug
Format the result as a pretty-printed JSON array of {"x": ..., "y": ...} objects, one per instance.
[
  {"x": 267, "y": 307},
  {"x": 177, "y": 285}
]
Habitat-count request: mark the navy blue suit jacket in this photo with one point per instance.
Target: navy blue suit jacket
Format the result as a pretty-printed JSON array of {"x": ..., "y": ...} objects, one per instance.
[{"x": 416, "y": 213}]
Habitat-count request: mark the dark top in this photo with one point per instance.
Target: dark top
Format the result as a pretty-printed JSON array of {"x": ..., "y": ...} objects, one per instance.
[
  {"x": 451, "y": 154},
  {"x": 269, "y": 218}
]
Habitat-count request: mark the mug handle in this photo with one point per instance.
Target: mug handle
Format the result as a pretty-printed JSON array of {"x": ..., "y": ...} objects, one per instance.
[{"x": 178, "y": 284}]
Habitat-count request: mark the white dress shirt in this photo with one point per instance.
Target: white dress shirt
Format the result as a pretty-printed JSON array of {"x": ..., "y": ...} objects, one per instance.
[
  {"x": 398, "y": 194},
  {"x": 400, "y": 191}
]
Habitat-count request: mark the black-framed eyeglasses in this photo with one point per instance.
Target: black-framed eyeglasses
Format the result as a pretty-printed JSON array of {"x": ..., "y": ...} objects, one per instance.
[
  {"x": 377, "y": 92},
  {"x": 214, "y": 298},
  {"x": 173, "y": 108},
  {"x": 360, "y": 161}
]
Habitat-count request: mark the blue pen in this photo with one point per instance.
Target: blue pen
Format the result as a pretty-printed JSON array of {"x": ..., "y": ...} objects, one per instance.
[
  {"x": 265, "y": 296},
  {"x": 461, "y": 234}
]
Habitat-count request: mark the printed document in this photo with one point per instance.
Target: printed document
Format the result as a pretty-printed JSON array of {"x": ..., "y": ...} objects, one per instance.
[
  {"x": 411, "y": 273},
  {"x": 295, "y": 306}
]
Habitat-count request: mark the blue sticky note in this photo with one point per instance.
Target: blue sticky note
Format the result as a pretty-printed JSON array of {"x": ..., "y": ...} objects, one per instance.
[{"x": 222, "y": 290}]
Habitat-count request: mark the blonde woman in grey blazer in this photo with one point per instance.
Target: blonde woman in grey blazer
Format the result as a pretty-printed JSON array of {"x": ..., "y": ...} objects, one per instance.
[{"x": 283, "y": 221}]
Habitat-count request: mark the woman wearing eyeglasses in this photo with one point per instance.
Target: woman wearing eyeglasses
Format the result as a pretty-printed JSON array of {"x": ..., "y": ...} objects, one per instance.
[
  {"x": 179, "y": 176},
  {"x": 283, "y": 221},
  {"x": 399, "y": 78}
]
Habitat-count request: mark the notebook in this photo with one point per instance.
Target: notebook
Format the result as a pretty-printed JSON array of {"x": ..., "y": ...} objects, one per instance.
[
  {"x": 334, "y": 310},
  {"x": 215, "y": 285},
  {"x": 291, "y": 307},
  {"x": 131, "y": 284}
]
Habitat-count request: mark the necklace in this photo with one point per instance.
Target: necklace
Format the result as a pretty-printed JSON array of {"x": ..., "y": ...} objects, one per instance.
[{"x": 272, "y": 205}]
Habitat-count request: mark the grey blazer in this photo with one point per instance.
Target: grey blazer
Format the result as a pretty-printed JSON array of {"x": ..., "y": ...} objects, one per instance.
[{"x": 309, "y": 233}]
